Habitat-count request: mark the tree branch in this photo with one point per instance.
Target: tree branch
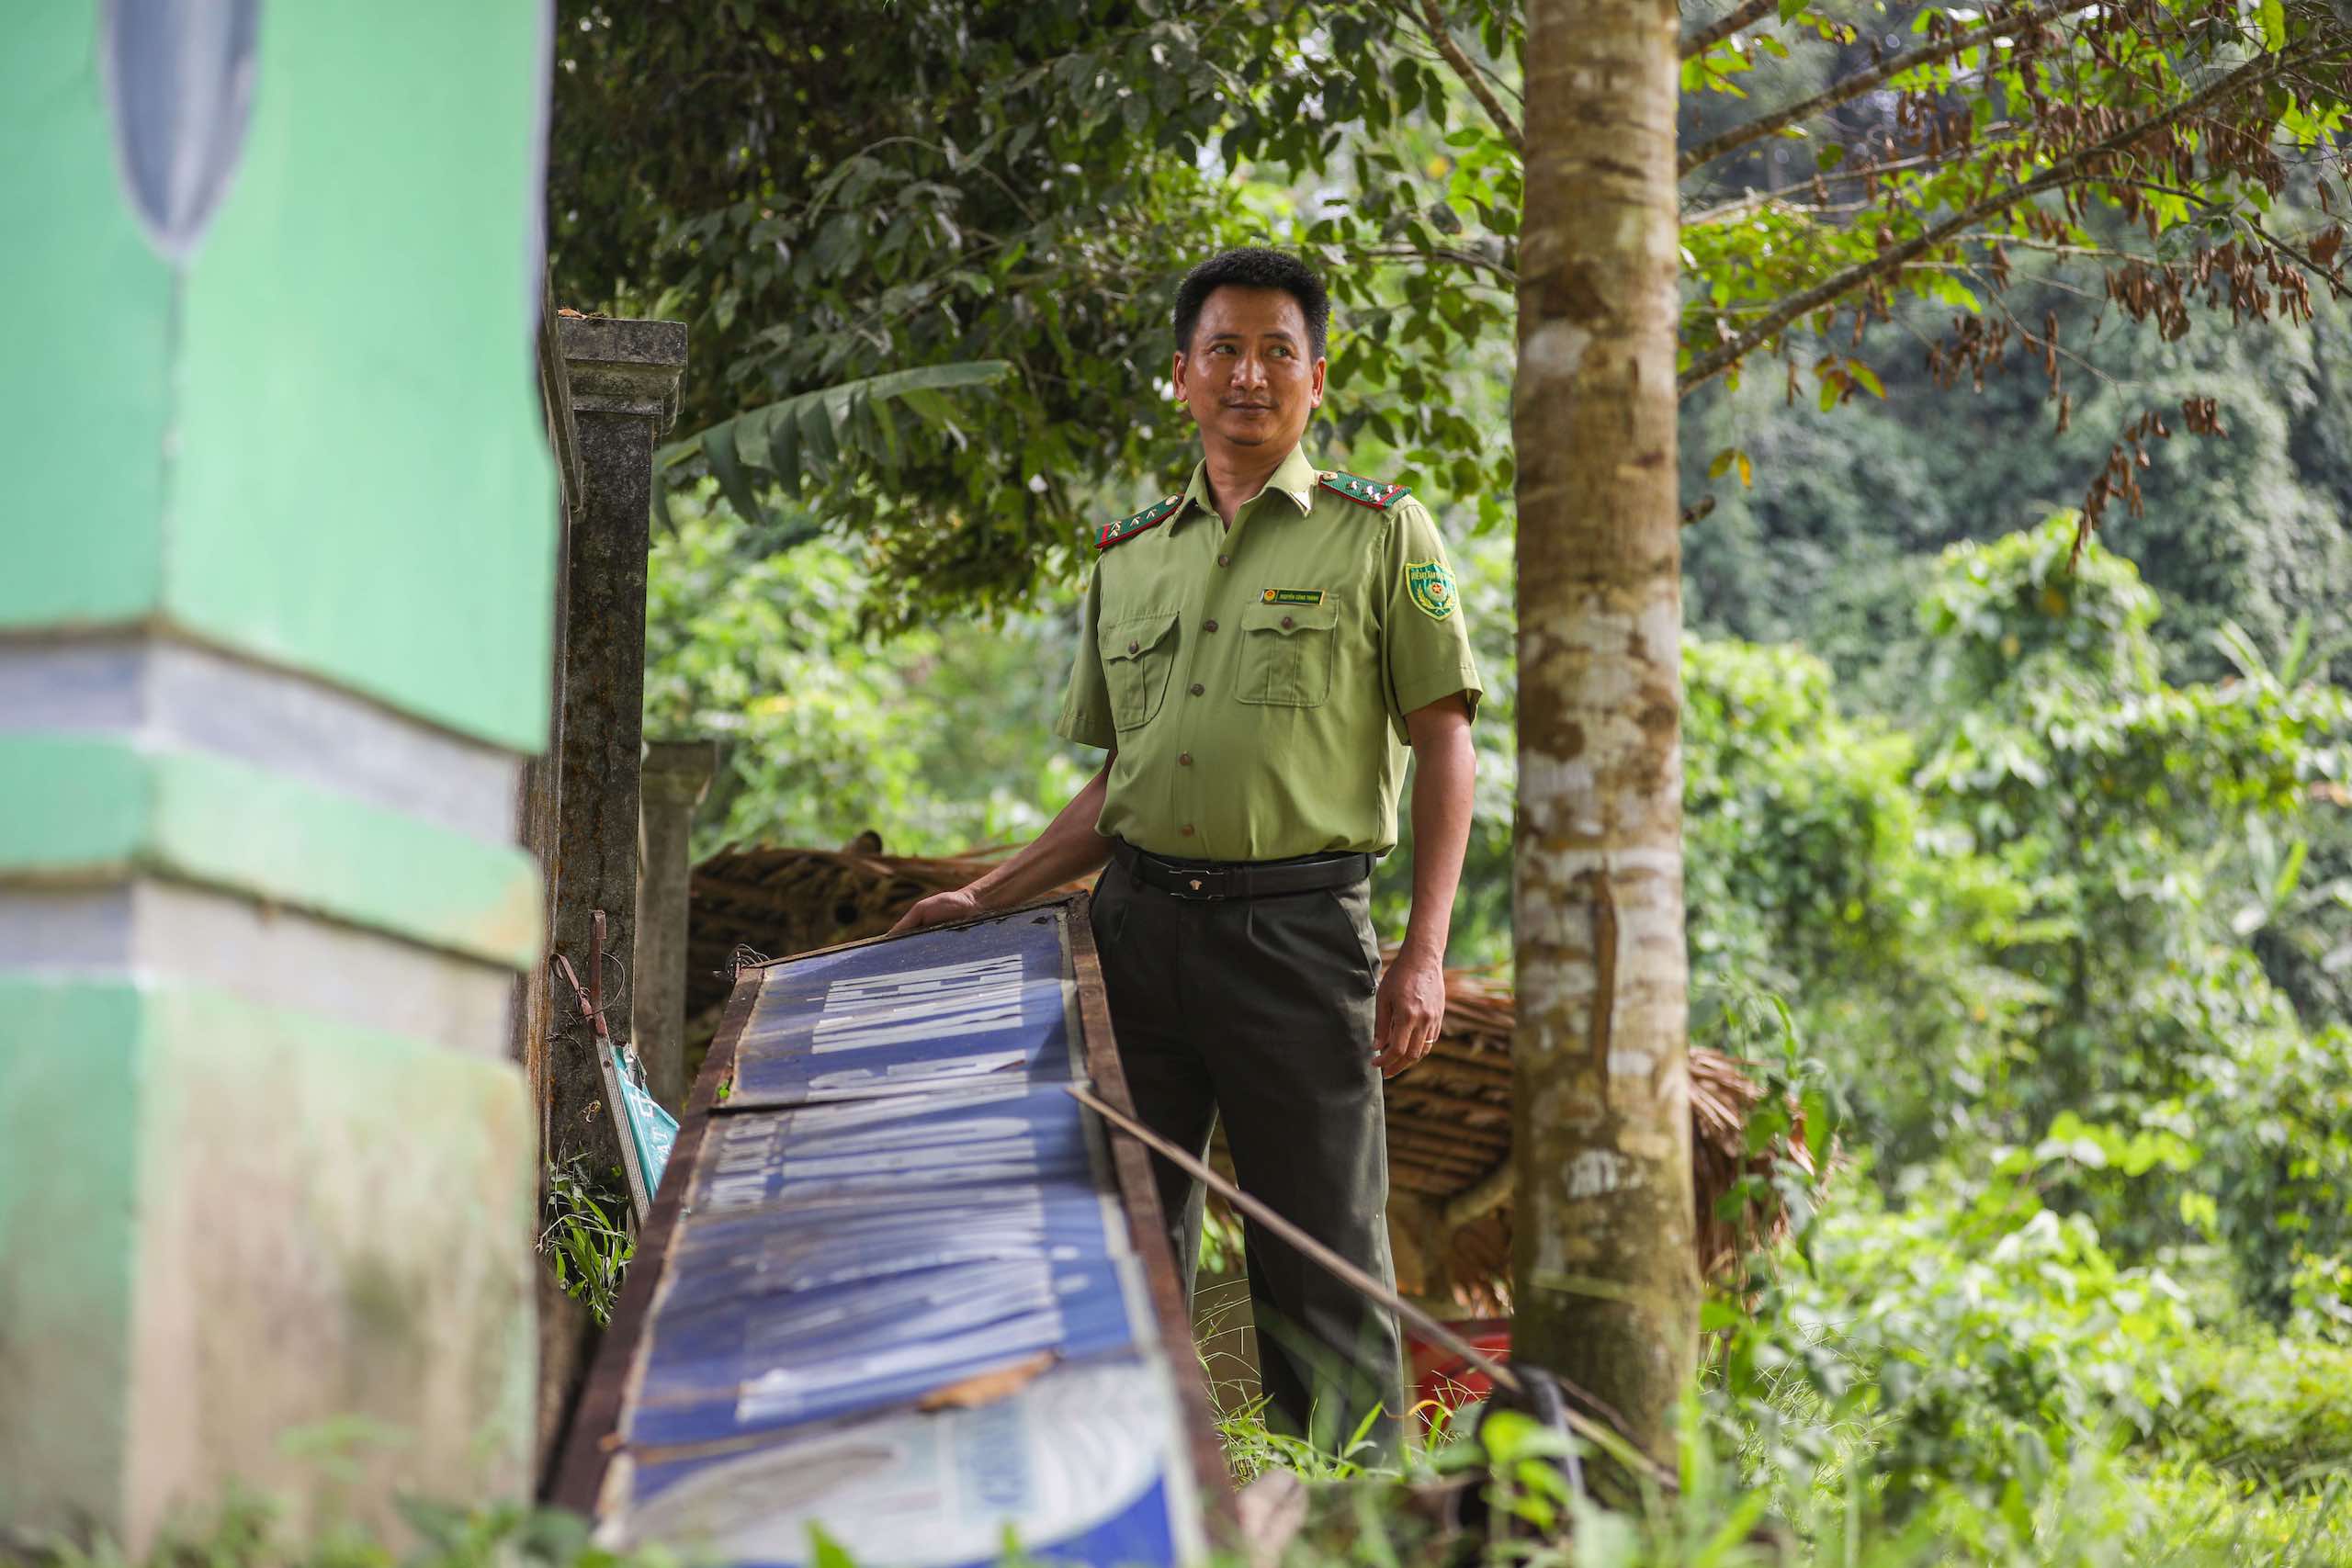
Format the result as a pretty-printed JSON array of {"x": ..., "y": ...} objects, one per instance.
[
  {"x": 1723, "y": 27},
  {"x": 2079, "y": 165},
  {"x": 2334, "y": 279},
  {"x": 1433, "y": 22},
  {"x": 1505, "y": 276},
  {"x": 1760, "y": 198},
  {"x": 1862, "y": 82},
  {"x": 1993, "y": 293}
]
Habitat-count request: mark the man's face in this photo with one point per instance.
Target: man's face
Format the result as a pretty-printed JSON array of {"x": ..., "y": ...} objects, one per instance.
[{"x": 1250, "y": 378}]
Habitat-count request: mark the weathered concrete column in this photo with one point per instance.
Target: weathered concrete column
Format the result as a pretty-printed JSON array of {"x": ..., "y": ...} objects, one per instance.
[
  {"x": 609, "y": 388},
  {"x": 274, "y": 618},
  {"x": 624, "y": 378},
  {"x": 677, "y": 775},
  {"x": 540, "y": 787}
]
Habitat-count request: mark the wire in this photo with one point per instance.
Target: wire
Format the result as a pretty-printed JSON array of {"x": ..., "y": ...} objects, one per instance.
[{"x": 1610, "y": 1434}]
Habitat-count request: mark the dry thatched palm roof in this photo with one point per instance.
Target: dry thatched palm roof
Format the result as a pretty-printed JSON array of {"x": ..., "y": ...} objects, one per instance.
[{"x": 1449, "y": 1118}]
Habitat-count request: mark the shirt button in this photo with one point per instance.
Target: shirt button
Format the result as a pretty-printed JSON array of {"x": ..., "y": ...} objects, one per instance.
[
  {"x": 1285, "y": 627},
  {"x": 1225, "y": 560},
  {"x": 1186, "y": 829},
  {"x": 1184, "y": 759},
  {"x": 1208, "y": 626},
  {"x": 1198, "y": 688},
  {"x": 1134, "y": 647}
]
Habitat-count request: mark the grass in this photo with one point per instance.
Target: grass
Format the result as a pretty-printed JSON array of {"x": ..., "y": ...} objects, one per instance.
[
  {"x": 2103, "y": 1508},
  {"x": 586, "y": 1240}
]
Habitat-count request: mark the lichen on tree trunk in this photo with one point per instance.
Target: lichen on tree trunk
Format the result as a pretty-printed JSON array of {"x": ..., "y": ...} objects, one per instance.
[{"x": 1605, "y": 1264}]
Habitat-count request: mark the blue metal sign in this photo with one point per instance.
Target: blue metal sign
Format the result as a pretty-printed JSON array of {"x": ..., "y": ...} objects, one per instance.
[
  {"x": 1080, "y": 1466},
  {"x": 653, "y": 1132},
  {"x": 896, "y": 1208},
  {"x": 922, "y": 1014}
]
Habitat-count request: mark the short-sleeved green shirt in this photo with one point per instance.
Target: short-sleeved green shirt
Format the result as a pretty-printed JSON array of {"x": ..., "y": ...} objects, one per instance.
[{"x": 1256, "y": 682}]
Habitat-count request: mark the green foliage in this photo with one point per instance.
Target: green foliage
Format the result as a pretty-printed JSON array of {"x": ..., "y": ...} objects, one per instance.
[
  {"x": 1979, "y": 1336},
  {"x": 2014, "y": 915},
  {"x": 827, "y": 194},
  {"x": 2270, "y": 1129},
  {"x": 2023, "y": 609},
  {"x": 813, "y": 434},
  {"x": 2031, "y": 879},
  {"x": 2036, "y": 1490},
  {"x": 1972, "y": 1362},
  {"x": 831, "y": 196},
  {"x": 2116, "y": 801},
  {"x": 250, "y": 1531},
  {"x": 1835, "y": 539},
  {"x": 2105, "y": 1154},
  {"x": 827, "y": 731},
  {"x": 2274, "y": 1413},
  {"x": 1958, "y": 1370},
  {"x": 586, "y": 1240},
  {"x": 1884, "y": 207},
  {"x": 1251, "y": 1448},
  {"x": 1812, "y": 860}
]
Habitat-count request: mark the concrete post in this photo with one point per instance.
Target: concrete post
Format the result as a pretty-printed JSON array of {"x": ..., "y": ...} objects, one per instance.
[
  {"x": 677, "y": 775},
  {"x": 273, "y": 645},
  {"x": 611, "y": 387},
  {"x": 540, "y": 788},
  {"x": 624, "y": 379}
]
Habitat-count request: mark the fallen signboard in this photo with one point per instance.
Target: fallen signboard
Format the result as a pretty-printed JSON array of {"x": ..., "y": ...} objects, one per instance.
[{"x": 899, "y": 1286}]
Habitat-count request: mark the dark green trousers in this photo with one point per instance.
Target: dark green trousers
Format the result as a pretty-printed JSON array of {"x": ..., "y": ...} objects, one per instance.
[{"x": 1259, "y": 1011}]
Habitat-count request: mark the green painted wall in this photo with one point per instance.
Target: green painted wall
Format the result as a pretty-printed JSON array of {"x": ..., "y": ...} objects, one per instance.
[
  {"x": 317, "y": 448},
  {"x": 323, "y": 447},
  {"x": 92, "y": 809},
  {"x": 83, "y": 405},
  {"x": 249, "y": 1224},
  {"x": 69, "y": 1208}
]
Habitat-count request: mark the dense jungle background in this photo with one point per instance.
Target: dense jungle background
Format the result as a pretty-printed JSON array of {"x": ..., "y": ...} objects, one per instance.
[{"x": 2028, "y": 877}]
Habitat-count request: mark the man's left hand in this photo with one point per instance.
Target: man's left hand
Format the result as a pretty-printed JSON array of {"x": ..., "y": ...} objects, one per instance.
[{"x": 1410, "y": 1011}]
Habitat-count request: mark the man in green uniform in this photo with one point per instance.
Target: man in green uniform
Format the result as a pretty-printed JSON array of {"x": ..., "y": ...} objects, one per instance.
[{"x": 1260, "y": 649}]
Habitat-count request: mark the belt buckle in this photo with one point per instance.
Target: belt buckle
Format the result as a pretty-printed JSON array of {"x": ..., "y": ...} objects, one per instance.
[{"x": 1197, "y": 883}]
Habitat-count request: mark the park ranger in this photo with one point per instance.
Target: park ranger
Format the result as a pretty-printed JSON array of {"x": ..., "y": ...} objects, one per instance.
[{"x": 1259, "y": 649}]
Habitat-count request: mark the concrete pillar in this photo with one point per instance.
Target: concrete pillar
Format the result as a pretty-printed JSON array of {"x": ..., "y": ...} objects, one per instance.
[
  {"x": 274, "y": 642},
  {"x": 677, "y": 775},
  {"x": 624, "y": 381},
  {"x": 611, "y": 388},
  {"x": 540, "y": 788}
]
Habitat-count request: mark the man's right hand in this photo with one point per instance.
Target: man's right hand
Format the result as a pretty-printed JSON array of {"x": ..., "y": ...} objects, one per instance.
[
  {"x": 1069, "y": 847},
  {"x": 941, "y": 910}
]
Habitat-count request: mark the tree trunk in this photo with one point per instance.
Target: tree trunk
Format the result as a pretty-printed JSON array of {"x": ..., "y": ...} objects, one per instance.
[{"x": 1605, "y": 1263}]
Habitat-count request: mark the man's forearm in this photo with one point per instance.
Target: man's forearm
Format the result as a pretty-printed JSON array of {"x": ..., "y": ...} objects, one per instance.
[
  {"x": 1446, "y": 773},
  {"x": 1067, "y": 849}
]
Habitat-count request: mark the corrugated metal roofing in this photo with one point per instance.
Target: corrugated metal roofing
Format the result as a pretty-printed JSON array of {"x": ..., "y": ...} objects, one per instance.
[{"x": 893, "y": 1286}]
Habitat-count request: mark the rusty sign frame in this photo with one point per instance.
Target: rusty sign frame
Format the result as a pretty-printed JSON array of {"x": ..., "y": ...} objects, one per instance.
[{"x": 592, "y": 1438}]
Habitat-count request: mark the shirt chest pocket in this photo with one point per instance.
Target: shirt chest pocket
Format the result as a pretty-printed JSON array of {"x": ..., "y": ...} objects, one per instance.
[
  {"x": 1287, "y": 653},
  {"x": 1138, "y": 652}
]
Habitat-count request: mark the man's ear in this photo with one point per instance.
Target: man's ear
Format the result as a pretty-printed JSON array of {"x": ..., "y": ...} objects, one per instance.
[
  {"x": 1315, "y": 389},
  {"x": 1176, "y": 375}
]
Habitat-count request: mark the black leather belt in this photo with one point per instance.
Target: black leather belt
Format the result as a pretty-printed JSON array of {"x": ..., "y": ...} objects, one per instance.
[{"x": 1241, "y": 879}]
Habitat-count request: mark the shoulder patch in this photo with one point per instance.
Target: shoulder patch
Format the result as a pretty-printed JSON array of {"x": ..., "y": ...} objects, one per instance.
[
  {"x": 1431, "y": 584},
  {"x": 1126, "y": 528},
  {"x": 1362, "y": 491}
]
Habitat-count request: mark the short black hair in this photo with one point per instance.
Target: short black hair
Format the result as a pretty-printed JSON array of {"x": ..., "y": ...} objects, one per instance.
[{"x": 1253, "y": 266}]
